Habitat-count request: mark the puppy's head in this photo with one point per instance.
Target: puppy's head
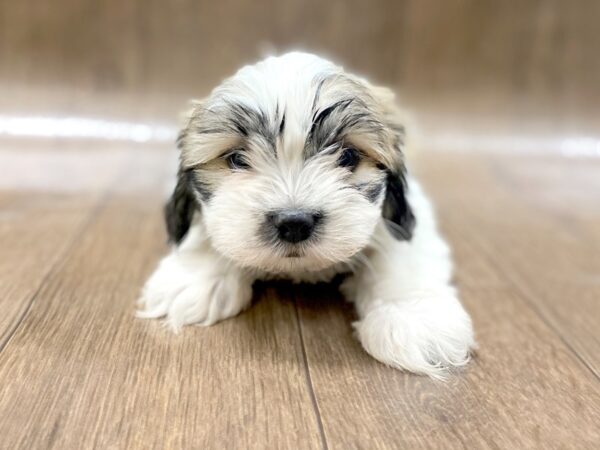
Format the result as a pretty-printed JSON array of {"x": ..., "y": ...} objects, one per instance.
[{"x": 290, "y": 164}]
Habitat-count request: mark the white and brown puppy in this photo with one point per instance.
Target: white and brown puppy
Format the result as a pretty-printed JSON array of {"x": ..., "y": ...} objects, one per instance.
[{"x": 294, "y": 169}]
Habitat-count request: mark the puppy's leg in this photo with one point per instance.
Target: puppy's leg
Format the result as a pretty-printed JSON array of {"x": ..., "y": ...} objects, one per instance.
[
  {"x": 410, "y": 315},
  {"x": 193, "y": 285}
]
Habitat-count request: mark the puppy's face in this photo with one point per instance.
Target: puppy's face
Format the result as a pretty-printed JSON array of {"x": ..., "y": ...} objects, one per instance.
[{"x": 290, "y": 165}]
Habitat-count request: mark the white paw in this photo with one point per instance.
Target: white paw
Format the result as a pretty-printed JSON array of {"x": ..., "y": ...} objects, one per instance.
[
  {"x": 427, "y": 334},
  {"x": 194, "y": 289}
]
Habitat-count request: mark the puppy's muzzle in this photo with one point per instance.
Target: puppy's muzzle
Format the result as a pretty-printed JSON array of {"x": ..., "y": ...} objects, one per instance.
[{"x": 294, "y": 225}]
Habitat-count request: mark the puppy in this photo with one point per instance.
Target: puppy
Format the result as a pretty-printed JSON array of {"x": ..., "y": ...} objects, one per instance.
[{"x": 294, "y": 169}]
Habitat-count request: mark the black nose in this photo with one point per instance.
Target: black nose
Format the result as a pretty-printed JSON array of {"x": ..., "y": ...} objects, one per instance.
[{"x": 293, "y": 225}]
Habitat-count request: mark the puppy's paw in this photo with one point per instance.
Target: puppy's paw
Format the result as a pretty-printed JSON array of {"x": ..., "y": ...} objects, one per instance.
[
  {"x": 194, "y": 290},
  {"x": 427, "y": 334}
]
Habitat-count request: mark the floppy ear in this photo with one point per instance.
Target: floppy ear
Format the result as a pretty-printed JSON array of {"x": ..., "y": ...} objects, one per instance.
[
  {"x": 396, "y": 210},
  {"x": 179, "y": 210},
  {"x": 400, "y": 219}
]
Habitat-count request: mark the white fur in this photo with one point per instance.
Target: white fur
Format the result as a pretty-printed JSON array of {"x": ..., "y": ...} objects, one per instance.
[
  {"x": 409, "y": 314},
  {"x": 194, "y": 285}
]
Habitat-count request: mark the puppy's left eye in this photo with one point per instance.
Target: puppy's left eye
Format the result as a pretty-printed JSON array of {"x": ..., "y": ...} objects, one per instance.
[
  {"x": 236, "y": 160},
  {"x": 349, "y": 158}
]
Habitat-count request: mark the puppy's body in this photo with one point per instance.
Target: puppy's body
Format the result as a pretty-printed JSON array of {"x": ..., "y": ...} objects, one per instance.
[{"x": 294, "y": 169}]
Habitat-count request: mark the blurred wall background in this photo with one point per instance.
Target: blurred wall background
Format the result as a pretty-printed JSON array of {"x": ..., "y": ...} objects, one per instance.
[{"x": 461, "y": 64}]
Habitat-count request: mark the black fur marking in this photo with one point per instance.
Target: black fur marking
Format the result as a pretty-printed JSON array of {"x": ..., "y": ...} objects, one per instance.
[
  {"x": 319, "y": 118},
  {"x": 282, "y": 125},
  {"x": 179, "y": 210},
  {"x": 196, "y": 183},
  {"x": 373, "y": 191},
  {"x": 247, "y": 121},
  {"x": 326, "y": 128},
  {"x": 396, "y": 210},
  {"x": 236, "y": 118},
  {"x": 331, "y": 124}
]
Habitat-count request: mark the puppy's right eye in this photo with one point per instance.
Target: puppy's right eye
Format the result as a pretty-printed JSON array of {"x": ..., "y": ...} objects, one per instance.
[
  {"x": 236, "y": 160},
  {"x": 349, "y": 158}
]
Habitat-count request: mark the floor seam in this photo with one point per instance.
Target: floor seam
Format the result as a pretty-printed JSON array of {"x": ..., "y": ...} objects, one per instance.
[
  {"x": 526, "y": 297},
  {"x": 55, "y": 267},
  {"x": 76, "y": 237},
  {"x": 309, "y": 381}
]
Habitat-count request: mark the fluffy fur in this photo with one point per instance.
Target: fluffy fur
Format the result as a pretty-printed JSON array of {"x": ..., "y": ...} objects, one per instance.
[{"x": 297, "y": 133}]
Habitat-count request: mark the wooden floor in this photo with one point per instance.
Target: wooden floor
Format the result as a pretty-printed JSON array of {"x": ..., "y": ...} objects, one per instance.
[{"x": 81, "y": 230}]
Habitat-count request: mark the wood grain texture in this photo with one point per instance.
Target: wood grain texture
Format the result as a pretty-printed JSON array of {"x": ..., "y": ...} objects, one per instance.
[
  {"x": 81, "y": 229},
  {"x": 523, "y": 226},
  {"x": 81, "y": 372},
  {"x": 524, "y": 389},
  {"x": 35, "y": 214}
]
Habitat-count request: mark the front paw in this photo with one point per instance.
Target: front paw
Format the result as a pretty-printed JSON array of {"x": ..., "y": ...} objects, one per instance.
[
  {"x": 427, "y": 334},
  {"x": 193, "y": 290}
]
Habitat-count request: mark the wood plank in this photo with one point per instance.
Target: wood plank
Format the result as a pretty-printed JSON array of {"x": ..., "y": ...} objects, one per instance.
[
  {"x": 41, "y": 214},
  {"x": 529, "y": 239},
  {"x": 525, "y": 388},
  {"x": 82, "y": 372}
]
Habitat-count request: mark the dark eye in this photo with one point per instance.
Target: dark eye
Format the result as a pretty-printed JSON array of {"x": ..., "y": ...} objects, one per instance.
[
  {"x": 349, "y": 158},
  {"x": 236, "y": 160}
]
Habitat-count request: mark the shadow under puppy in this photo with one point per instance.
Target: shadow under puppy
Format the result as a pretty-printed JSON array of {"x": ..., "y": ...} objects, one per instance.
[{"x": 293, "y": 169}]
